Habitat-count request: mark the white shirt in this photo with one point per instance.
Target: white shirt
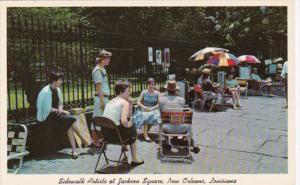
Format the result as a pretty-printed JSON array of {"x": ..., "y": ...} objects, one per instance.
[
  {"x": 113, "y": 110},
  {"x": 284, "y": 71}
]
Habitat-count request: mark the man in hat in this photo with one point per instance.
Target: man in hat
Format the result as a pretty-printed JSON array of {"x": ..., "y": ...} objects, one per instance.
[
  {"x": 170, "y": 102},
  {"x": 205, "y": 74},
  {"x": 101, "y": 82},
  {"x": 284, "y": 76}
]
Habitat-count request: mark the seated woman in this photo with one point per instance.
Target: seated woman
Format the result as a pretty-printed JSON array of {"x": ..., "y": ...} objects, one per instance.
[
  {"x": 119, "y": 110},
  {"x": 231, "y": 87},
  {"x": 50, "y": 111},
  {"x": 150, "y": 114},
  {"x": 173, "y": 101}
]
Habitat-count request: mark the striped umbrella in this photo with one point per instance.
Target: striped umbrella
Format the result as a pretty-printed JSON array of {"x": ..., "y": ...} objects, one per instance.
[
  {"x": 276, "y": 60},
  {"x": 222, "y": 59},
  {"x": 205, "y": 53},
  {"x": 250, "y": 59}
]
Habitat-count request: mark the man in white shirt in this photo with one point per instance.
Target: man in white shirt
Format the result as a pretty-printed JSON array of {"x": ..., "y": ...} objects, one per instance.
[{"x": 284, "y": 76}]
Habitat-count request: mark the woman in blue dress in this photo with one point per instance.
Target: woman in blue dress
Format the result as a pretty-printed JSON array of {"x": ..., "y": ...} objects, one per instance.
[{"x": 149, "y": 114}]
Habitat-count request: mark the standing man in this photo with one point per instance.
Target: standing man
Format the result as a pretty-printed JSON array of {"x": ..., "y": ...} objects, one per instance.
[
  {"x": 102, "y": 90},
  {"x": 284, "y": 76}
]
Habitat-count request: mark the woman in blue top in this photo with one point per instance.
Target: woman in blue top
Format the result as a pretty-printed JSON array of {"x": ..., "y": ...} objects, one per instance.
[
  {"x": 50, "y": 111},
  {"x": 149, "y": 114},
  {"x": 232, "y": 87}
]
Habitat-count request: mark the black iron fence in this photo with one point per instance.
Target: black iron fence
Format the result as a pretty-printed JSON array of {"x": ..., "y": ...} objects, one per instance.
[{"x": 36, "y": 47}]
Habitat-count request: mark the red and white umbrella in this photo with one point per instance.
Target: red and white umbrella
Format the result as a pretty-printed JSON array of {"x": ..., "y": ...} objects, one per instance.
[
  {"x": 250, "y": 59},
  {"x": 205, "y": 53}
]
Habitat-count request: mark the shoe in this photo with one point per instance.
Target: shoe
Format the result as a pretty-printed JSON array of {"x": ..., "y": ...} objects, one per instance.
[
  {"x": 93, "y": 145},
  {"x": 74, "y": 155},
  {"x": 147, "y": 139},
  {"x": 195, "y": 150},
  {"x": 134, "y": 164}
]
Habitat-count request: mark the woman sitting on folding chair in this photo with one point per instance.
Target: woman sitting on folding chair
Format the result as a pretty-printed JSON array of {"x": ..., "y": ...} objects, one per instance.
[
  {"x": 172, "y": 101},
  {"x": 119, "y": 110},
  {"x": 232, "y": 87},
  {"x": 149, "y": 114}
]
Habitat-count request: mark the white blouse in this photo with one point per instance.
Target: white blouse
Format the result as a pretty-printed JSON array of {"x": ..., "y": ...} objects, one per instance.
[{"x": 113, "y": 110}]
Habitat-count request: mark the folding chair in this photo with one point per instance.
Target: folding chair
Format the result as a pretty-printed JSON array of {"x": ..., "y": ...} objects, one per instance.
[
  {"x": 200, "y": 99},
  {"x": 106, "y": 123},
  {"x": 176, "y": 117},
  {"x": 16, "y": 142}
]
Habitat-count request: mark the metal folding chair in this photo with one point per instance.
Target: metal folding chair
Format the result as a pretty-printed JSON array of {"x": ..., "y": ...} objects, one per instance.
[{"x": 106, "y": 123}]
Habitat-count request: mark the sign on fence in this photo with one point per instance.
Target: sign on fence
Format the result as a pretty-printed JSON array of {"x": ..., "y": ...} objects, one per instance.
[
  {"x": 150, "y": 54},
  {"x": 167, "y": 57},
  {"x": 158, "y": 57}
]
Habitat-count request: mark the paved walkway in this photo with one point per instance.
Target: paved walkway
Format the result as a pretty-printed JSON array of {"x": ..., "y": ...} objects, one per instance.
[{"x": 248, "y": 141}]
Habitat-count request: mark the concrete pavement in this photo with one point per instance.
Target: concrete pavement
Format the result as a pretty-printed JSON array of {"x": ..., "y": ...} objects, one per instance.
[{"x": 252, "y": 140}]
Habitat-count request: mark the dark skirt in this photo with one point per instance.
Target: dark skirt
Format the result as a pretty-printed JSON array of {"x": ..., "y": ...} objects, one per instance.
[
  {"x": 126, "y": 133},
  {"x": 62, "y": 123},
  {"x": 50, "y": 135}
]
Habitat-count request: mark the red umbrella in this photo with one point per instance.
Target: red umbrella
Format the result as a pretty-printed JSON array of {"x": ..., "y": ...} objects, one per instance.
[{"x": 248, "y": 59}]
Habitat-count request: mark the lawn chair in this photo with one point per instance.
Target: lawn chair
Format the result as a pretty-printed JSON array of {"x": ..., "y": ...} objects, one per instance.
[
  {"x": 16, "y": 142},
  {"x": 243, "y": 87},
  {"x": 107, "y": 123},
  {"x": 175, "y": 117},
  {"x": 200, "y": 98}
]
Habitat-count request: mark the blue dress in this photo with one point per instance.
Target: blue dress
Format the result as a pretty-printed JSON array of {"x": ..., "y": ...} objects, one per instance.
[{"x": 152, "y": 117}]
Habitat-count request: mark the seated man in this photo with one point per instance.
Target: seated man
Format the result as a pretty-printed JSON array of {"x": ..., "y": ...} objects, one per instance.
[
  {"x": 208, "y": 89},
  {"x": 173, "y": 101},
  {"x": 205, "y": 75},
  {"x": 257, "y": 81}
]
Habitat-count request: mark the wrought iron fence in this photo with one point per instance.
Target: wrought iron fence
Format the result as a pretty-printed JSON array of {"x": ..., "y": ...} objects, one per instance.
[{"x": 36, "y": 47}]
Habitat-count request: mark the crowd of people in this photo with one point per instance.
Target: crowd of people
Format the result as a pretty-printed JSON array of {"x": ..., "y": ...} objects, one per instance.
[{"x": 119, "y": 109}]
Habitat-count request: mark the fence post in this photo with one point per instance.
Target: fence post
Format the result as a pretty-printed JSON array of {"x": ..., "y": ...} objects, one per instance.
[{"x": 82, "y": 65}]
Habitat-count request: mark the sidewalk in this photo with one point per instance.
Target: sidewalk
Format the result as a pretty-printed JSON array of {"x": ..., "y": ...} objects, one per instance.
[{"x": 248, "y": 141}]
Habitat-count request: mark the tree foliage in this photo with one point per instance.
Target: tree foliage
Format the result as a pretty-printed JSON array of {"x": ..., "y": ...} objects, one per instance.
[{"x": 238, "y": 28}]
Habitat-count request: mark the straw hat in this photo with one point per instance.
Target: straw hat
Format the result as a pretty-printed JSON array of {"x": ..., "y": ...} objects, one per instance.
[
  {"x": 171, "y": 86},
  {"x": 206, "y": 71}
]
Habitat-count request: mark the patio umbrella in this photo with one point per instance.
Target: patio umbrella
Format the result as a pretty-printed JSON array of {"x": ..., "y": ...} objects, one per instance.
[
  {"x": 250, "y": 59},
  {"x": 222, "y": 59},
  {"x": 276, "y": 60},
  {"x": 205, "y": 53}
]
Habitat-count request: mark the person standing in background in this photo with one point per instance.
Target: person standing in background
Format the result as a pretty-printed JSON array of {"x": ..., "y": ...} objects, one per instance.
[
  {"x": 102, "y": 90},
  {"x": 284, "y": 76}
]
